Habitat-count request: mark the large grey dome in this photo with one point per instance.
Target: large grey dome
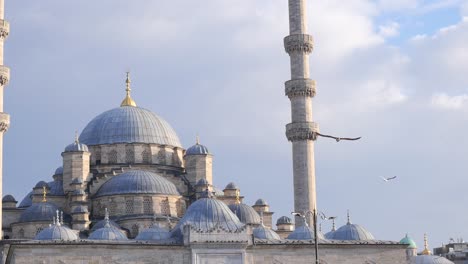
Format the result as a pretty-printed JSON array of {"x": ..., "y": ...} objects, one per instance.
[
  {"x": 304, "y": 233},
  {"x": 39, "y": 212},
  {"x": 206, "y": 214},
  {"x": 351, "y": 232},
  {"x": 129, "y": 124},
  {"x": 137, "y": 182},
  {"x": 429, "y": 259},
  {"x": 245, "y": 213}
]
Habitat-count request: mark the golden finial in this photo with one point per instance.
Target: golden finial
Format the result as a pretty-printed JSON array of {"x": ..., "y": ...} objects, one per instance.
[
  {"x": 44, "y": 194},
  {"x": 426, "y": 250},
  {"x": 238, "y": 197},
  {"x": 128, "y": 101}
]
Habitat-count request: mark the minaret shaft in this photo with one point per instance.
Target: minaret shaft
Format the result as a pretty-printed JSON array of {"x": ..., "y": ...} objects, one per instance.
[
  {"x": 300, "y": 90},
  {"x": 4, "y": 118}
]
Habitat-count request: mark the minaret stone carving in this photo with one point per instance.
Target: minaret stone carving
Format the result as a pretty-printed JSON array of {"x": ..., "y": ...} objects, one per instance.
[
  {"x": 302, "y": 130},
  {"x": 4, "y": 78}
]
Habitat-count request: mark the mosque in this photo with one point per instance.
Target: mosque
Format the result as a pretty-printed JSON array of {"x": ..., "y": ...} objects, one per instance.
[{"x": 129, "y": 192}]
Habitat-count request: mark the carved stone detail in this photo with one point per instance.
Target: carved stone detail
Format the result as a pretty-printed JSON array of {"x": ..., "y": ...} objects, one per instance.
[
  {"x": 4, "y": 29},
  {"x": 299, "y": 131},
  {"x": 300, "y": 88},
  {"x": 4, "y": 122},
  {"x": 4, "y": 75},
  {"x": 299, "y": 43}
]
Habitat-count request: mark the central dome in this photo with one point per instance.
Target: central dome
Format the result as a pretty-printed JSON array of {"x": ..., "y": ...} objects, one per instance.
[{"x": 129, "y": 124}]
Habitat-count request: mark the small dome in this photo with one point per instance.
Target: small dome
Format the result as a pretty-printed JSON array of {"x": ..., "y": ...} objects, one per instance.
[
  {"x": 202, "y": 182},
  {"x": 304, "y": 233},
  {"x": 351, "y": 232},
  {"x": 39, "y": 212},
  {"x": 102, "y": 223},
  {"x": 231, "y": 186},
  {"x": 41, "y": 184},
  {"x": 284, "y": 220},
  {"x": 217, "y": 192},
  {"x": 206, "y": 214},
  {"x": 329, "y": 235},
  {"x": 9, "y": 199},
  {"x": 77, "y": 181},
  {"x": 59, "y": 170},
  {"x": 261, "y": 202},
  {"x": 429, "y": 259},
  {"x": 409, "y": 241},
  {"x": 27, "y": 200},
  {"x": 128, "y": 124},
  {"x": 56, "y": 188},
  {"x": 245, "y": 213},
  {"x": 263, "y": 232},
  {"x": 137, "y": 182},
  {"x": 57, "y": 232},
  {"x": 154, "y": 233},
  {"x": 108, "y": 232},
  {"x": 76, "y": 147},
  {"x": 80, "y": 209},
  {"x": 197, "y": 149}
]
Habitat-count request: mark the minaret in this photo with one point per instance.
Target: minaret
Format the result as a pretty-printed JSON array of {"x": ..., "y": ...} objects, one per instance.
[
  {"x": 4, "y": 78},
  {"x": 302, "y": 130}
]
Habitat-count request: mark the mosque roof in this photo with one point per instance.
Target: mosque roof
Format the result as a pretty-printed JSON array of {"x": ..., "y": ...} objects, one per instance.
[
  {"x": 102, "y": 223},
  {"x": 108, "y": 232},
  {"x": 137, "y": 182},
  {"x": 129, "y": 124},
  {"x": 8, "y": 199},
  {"x": 59, "y": 170},
  {"x": 206, "y": 214},
  {"x": 429, "y": 259},
  {"x": 39, "y": 212},
  {"x": 263, "y": 232},
  {"x": 245, "y": 213},
  {"x": 261, "y": 202},
  {"x": 284, "y": 220},
  {"x": 41, "y": 184},
  {"x": 197, "y": 149},
  {"x": 408, "y": 240},
  {"x": 57, "y": 231},
  {"x": 76, "y": 146},
  {"x": 231, "y": 186},
  {"x": 55, "y": 188},
  {"x": 351, "y": 232},
  {"x": 304, "y": 233},
  {"x": 202, "y": 182},
  {"x": 154, "y": 233},
  {"x": 27, "y": 200}
]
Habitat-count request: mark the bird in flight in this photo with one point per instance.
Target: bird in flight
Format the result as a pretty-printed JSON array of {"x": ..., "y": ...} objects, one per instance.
[
  {"x": 338, "y": 139},
  {"x": 388, "y": 179}
]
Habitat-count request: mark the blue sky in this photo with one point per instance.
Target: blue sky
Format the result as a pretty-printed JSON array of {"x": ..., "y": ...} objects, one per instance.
[{"x": 393, "y": 72}]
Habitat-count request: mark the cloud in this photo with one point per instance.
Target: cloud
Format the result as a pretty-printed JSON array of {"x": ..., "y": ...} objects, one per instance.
[
  {"x": 390, "y": 29},
  {"x": 444, "y": 101}
]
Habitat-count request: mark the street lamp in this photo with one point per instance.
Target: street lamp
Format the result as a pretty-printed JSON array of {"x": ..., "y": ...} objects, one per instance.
[{"x": 314, "y": 215}]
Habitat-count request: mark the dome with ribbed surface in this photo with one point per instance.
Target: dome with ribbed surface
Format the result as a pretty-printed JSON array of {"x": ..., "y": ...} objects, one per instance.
[
  {"x": 59, "y": 170},
  {"x": 284, "y": 220},
  {"x": 55, "y": 188},
  {"x": 197, "y": 149},
  {"x": 108, "y": 232},
  {"x": 154, "y": 233},
  {"x": 57, "y": 232},
  {"x": 206, "y": 214},
  {"x": 76, "y": 147},
  {"x": 137, "y": 182},
  {"x": 27, "y": 200},
  {"x": 263, "y": 232},
  {"x": 231, "y": 186},
  {"x": 128, "y": 124},
  {"x": 102, "y": 223},
  {"x": 429, "y": 259},
  {"x": 329, "y": 235},
  {"x": 304, "y": 233},
  {"x": 351, "y": 232},
  {"x": 245, "y": 213},
  {"x": 9, "y": 199},
  {"x": 38, "y": 212},
  {"x": 261, "y": 202},
  {"x": 408, "y": 240}
]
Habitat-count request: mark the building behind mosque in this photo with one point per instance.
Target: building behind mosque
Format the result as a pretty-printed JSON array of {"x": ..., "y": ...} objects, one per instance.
[{"x": 129, "y": 192}]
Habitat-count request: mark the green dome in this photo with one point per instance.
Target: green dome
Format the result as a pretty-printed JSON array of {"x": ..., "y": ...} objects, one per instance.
[{"x": 408, "y": 240}]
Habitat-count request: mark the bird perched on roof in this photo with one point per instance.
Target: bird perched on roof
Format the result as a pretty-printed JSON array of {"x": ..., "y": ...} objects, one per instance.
[
  {"x": 338, "y": 139},
  {"x": 388, "y": 179}
]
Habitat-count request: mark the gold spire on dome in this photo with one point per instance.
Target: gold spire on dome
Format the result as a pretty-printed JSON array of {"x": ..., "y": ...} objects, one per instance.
[
  {"x": 238, "y": 197},
  {"x": 426, "y": 250},
  {"x": 128, "y": 101},
  {"x": 44, "y": 194}
]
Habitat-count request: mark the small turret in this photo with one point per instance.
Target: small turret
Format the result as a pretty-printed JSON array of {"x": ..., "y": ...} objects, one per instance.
[
  {"x": 198, "y": 163},
  {"x": 76, "y": 159}
]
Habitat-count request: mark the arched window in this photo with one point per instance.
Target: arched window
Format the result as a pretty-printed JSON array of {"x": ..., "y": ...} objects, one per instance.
[
  {"x": 112, "y": 157},
  {"x": 165, "y": 210},
  {"x": 21, "y": 233},
  {"x": 146, "y": 157},
  {"x": 147, "y": 205},
  {"x": 129, "y": 155},
  {"x": 129, "y": 206},
  {"x": 134, "y": 230}
]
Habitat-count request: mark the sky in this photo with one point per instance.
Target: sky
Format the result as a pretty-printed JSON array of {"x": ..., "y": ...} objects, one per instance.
[{"x": 391, "y": 71}]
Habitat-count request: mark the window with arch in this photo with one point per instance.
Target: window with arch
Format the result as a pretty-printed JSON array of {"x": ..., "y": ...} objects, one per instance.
[
  {"x": 135, "y": 230},
  {"x": 112, "y": 157},
  {"x": 146, "y": 156},
  {"x": 147, "y": 205},
  {"x": 165, "y": 210},
  {"x": 21, "y": 233},
  {"x": 129, "y": 155},
  {"x": 129, "y": 206}
]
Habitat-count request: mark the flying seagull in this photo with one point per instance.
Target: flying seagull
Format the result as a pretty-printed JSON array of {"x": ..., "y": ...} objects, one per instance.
[
  {"x": 338, "y": 139},
  {"x": 388, "y": 179}
]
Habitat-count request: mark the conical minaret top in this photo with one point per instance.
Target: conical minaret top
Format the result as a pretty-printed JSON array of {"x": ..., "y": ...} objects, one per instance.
[{"x": 302, "y": 130}]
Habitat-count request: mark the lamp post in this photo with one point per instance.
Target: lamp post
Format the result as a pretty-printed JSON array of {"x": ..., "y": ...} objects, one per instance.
[{"x": 314, "y": 215}]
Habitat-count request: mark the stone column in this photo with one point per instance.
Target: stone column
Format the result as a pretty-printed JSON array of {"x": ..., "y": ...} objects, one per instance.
[
  {"x": 300, "y": 90},
  {"x": 4, "y": 78}
]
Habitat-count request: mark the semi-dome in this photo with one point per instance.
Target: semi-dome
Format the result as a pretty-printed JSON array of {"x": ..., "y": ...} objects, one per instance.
[
  {"x": 57, "y": 232},
  {"x": 129, "y": 124},
  {"x": 261, "y": 202},
  {"x": 245, "y": 213},
  {"x": 38, "y": 212},
  {"x": 206, "y": 214},
  {"x": 27, "y": 200},
  {"x": 197, "y": 149},
  {"x": 41, "y": 184},
  {"x": 8, "y": 199},
  {"x": 284, "y": 220},
  {"x": 231, "y": 186},
  {"x": 263, "y": 232},
  {"x": 137, "y": 182},
  {"x": 76, "y": 147},
  {"x": 351, "y": 232},
  {"x": 59, "y": 171},
  {"x": 108, "y": 232},
  {"x": 304, "y": 233},
  {"x": 409, "y": 241},
  {"x": 56, "y": 188},
  {"x": 429, "y": 259},
  {"x": 103, "y": 222},
  {"x": 154, "y": 233}
]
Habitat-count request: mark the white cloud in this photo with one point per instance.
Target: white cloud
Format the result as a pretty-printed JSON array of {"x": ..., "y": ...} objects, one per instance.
[
  {"x": 382, "y": 93},
  {"x": 395, "y": 5},
  {"x": 390, "y": 29},
  {"x": 444, "y": 101}
]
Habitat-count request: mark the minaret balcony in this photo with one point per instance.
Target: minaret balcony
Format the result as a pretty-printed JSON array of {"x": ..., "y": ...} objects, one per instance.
[
  {"x": 300, "y": 88},
  {"x": 4, "y": 75},
  {"x": 300, "y": 131},
  {"x": 299, "y": 43},
  {"x": 4, "y": 29}
]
